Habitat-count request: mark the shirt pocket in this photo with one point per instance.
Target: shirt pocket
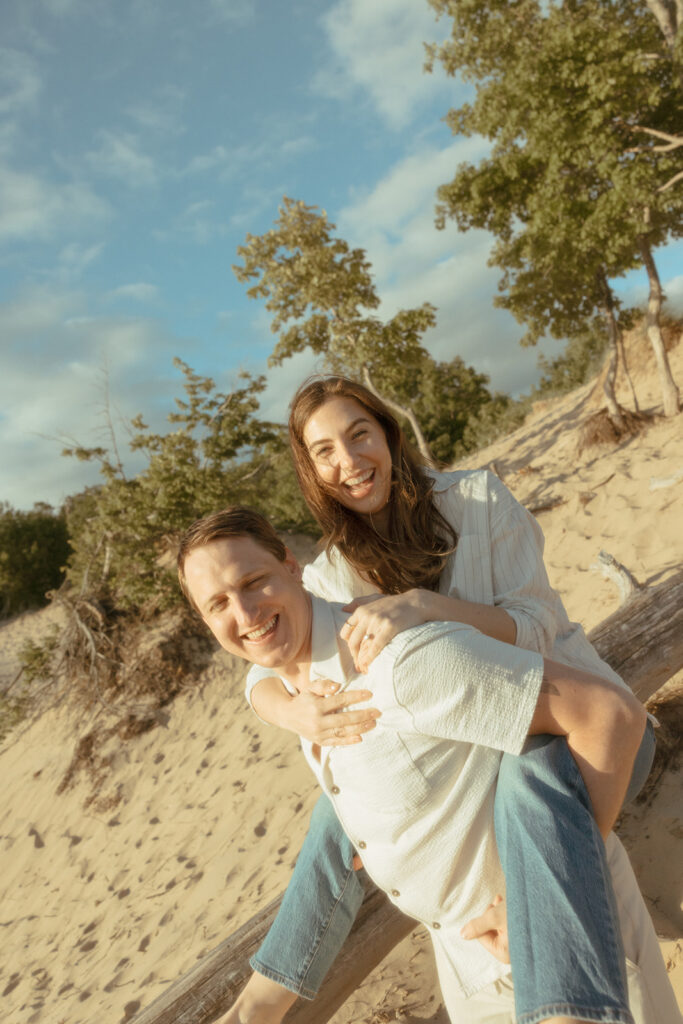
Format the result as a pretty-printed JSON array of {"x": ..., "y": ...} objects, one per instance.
[{"x": 381, "y": 772}]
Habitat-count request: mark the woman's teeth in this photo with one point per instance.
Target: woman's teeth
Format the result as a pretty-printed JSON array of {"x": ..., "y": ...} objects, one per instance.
[
  {"x": 256, "y": 634},
  {"x": 360, "y": 480}
]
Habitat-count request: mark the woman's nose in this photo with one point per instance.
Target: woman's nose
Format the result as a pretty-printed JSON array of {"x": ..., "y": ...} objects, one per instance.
[{"x": 345, "y": 457}]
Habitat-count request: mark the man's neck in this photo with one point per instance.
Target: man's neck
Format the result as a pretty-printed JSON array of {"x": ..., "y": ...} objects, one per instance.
[{"x": 298, "y": 675}]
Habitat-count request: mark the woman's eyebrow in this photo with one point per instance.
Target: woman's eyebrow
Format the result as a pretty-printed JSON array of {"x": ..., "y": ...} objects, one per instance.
[{"x": 350, "y": 426}]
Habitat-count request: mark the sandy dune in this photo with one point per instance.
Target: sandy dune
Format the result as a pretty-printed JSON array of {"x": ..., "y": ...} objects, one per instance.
[{"x": 109, "y": 894}]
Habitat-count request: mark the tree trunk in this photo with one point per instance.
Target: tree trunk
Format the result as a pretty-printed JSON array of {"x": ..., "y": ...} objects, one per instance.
[
  {"x": 664, "y": 17},
  {"x": 627, "y": 373},
  {"x": 642, "y": 641},
  {"x": 401, "y": 411},
  {"x": 670, "y": 394},
  {"x": 606, "y": 307}
]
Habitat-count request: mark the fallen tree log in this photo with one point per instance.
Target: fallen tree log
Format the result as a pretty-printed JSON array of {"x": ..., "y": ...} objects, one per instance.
[{"x": 642, "y": 641}]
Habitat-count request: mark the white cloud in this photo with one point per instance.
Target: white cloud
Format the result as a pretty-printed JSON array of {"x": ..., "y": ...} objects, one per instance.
[
  {"x": 75, "y": 258},
  {"x": 57, "y": 362},
  {"x": 238, "y": 11},
  {"x": 33, "y": 208},
  {"x": 414, "y": 263},
  {"x": 226, "y": 162},
  {"x": 20, "y": 82},
  {"x": 139, "y": 291},
  {"x": 119, "y": 156},
  {"x": 673, "y": 289},
  {"x": 162, "y": 113},
  {"x": 378, "y": 53}
]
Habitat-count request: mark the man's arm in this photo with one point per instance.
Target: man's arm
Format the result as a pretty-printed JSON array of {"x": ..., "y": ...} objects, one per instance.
[{"x": 603, "y": 724}]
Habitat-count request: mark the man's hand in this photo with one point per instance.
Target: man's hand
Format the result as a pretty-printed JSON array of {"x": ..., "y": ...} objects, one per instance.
[
  {"x": 491, "y": 928},
  {"x": 319, "y": 715}
]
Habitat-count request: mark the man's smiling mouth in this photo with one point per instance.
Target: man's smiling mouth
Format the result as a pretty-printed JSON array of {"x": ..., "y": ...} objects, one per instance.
[{"x": 263, "y": 631}]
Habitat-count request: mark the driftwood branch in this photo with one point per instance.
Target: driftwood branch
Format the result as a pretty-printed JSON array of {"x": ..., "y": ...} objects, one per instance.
[
  {"x": 212, "y": 985},
  {"x": 619, "y": 574},
  {"x": 642, "y": 641}
]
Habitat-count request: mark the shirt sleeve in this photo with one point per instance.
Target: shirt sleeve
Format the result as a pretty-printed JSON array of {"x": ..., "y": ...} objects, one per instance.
[
  {"x": 460, "y": 685},
  {"x": 520, "y": 581},
  {"x": 332, "y": 578},
  {"x": 255, "y": 674}
]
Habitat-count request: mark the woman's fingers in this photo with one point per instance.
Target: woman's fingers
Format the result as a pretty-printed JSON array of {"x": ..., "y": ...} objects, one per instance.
[
  {"x": 344, "y": 733},
  {"x": 491, "y": 930}
]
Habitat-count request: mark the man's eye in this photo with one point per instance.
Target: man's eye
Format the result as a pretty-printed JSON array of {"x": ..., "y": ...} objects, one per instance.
[
  {"x": 256, "y": 580},
  {"x": 217, "y": 606}
]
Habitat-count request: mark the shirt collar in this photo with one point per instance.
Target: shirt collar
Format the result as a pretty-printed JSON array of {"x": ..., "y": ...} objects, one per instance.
[
  {"x": 330, "y": 656},
  {"x": 442, "y": 481}
]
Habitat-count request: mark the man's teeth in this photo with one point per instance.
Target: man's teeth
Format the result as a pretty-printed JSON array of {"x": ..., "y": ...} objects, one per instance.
[
  {"x": 256, "y": 634},
  {"x": 357, "y": 481}
]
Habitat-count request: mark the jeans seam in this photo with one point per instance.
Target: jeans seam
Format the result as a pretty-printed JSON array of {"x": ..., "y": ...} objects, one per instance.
[
  {"x": 584, "y": 1013},
  {"x": 299, "y": 985}
]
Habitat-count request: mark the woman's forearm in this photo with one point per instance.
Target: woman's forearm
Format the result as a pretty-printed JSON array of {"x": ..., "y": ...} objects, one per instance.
[{"x": 488, "y": 619}]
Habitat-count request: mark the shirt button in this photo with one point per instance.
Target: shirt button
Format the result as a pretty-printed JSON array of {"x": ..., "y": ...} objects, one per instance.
[
  {"x": 362, "y": 845},
  {"x": 335, "y": 790},
  {"x": 395, "y": 892},
  {"x": 436, "y": 924}
]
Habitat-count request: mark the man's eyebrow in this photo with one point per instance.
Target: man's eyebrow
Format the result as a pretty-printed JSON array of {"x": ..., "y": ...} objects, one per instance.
[{"x": 350, "y": 426}]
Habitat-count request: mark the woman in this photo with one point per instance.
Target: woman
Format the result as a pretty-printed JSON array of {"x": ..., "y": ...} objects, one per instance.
[{"x": 438, "y": 546}]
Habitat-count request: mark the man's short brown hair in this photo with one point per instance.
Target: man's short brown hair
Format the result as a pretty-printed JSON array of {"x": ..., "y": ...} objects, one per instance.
[{"x": 233, "y": 521}]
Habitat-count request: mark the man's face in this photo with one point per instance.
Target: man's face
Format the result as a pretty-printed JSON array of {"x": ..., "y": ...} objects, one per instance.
[{"x": 253, "y": 603}]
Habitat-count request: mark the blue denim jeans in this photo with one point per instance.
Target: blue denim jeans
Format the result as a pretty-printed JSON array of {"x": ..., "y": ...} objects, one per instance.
[
  {"x": 565, "y": 943},
  {"x": 561, "y": 912}
]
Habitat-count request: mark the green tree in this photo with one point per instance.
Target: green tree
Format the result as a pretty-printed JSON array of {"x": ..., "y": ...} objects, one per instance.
[
  {"x": 321, "y": 296},
  {"x": 320, "y": 293},
  {"x": 34, "y": 549},
  {"x": 218, "y": 452},
  {"x": 560, "y": 88}
]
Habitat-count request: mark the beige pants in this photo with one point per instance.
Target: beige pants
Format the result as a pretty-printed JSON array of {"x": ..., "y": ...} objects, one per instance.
[{"x": 651, "y": 996}]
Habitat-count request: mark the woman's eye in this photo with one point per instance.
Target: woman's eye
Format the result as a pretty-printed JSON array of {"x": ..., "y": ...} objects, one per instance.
[{"x": 359, "y": 433}]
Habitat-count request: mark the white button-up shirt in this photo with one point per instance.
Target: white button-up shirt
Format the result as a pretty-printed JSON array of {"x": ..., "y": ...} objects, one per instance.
[
  {"x": 498, "y": 561},
  {"x": 416, "y": 796}
]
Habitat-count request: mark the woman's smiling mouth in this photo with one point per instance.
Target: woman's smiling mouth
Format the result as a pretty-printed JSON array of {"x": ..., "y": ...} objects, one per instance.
[{"x": 361, "y": 482}]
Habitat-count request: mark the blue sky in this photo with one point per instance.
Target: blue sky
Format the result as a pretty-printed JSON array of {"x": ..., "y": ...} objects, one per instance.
[{"x": 140, "y": 140}]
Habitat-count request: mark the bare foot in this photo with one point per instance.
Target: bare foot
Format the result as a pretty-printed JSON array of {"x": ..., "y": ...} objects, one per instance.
[{"x": 261, "y": 1001}]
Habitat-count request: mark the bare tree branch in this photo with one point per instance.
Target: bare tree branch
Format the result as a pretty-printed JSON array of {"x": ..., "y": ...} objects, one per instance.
[{"x": 670, "y": 182}]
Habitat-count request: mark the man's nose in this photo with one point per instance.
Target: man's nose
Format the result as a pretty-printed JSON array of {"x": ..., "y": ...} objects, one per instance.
[{"x": 246, "y": 612}]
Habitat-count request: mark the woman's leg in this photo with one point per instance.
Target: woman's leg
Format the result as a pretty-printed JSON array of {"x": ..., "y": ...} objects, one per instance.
[
  {"x": 565, "y": 942},
  {"x": 319, "y": 906}
]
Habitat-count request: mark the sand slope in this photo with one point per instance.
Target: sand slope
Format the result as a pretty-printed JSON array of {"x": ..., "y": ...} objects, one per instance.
[{"x": 197, "y": 822}]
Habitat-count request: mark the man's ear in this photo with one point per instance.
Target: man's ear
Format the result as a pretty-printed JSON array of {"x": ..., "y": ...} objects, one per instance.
[{"x": 293, "y": 566}]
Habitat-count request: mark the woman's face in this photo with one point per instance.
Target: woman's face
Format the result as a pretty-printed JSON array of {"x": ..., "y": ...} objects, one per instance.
[{"x": 350, "y": 454}]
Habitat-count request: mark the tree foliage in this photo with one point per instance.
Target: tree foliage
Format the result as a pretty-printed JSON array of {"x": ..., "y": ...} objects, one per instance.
[
  {"x": 321, "y": 296},
  {"x": 33, "y": 552},
  {"x": 561, "y": 90},
  {"x": 218, "y": 453}
]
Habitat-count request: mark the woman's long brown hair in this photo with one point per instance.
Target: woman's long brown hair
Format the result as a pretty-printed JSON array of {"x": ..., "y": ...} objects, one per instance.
[{"x": 418, "y": 539}]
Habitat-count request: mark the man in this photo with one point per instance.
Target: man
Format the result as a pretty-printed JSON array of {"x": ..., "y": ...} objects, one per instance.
[{"x": 416, "y": 797}]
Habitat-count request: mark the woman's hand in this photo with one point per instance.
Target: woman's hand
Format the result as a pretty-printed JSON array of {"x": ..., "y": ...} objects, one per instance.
[
  {"x": 491, "y": 928},
  {"x": 374, "y": 621},
  {"x": 318, "y": 715}
]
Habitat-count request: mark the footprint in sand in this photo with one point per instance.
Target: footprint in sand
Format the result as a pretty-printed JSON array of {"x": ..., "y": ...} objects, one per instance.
[{"x": 37, "y": 840}]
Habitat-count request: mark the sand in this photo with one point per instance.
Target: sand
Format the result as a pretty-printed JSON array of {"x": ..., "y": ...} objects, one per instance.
[{"x": 110, "y": 893}]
